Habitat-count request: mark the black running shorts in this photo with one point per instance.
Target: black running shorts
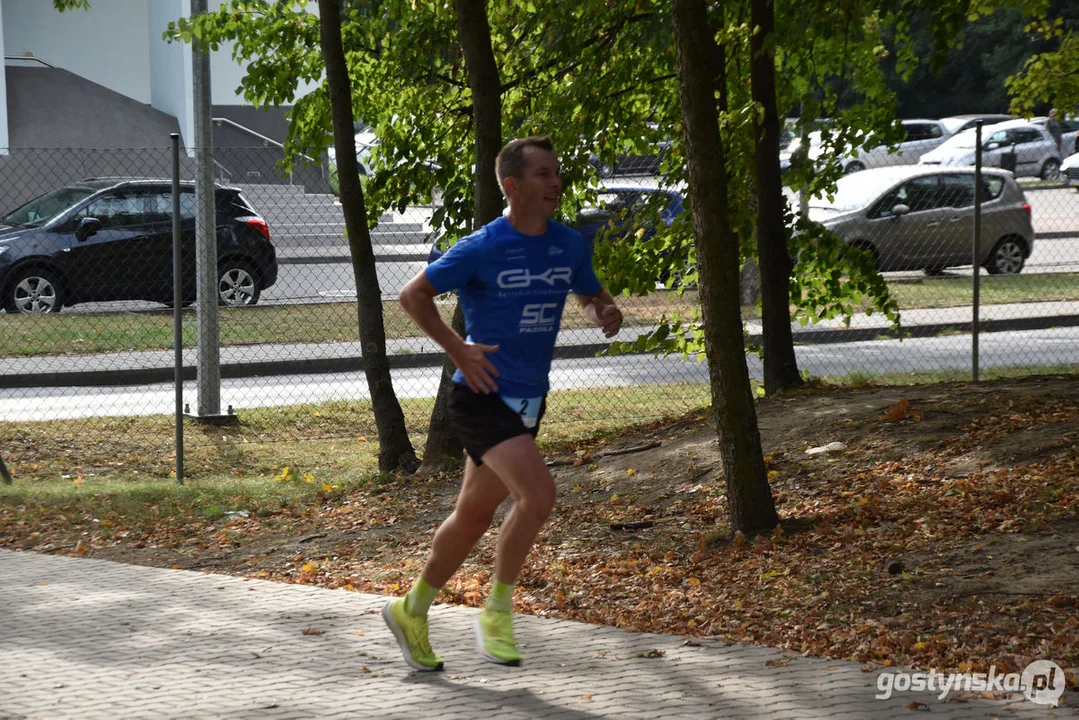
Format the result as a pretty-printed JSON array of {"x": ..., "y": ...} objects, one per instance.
[{"x": 482, "y": 421}]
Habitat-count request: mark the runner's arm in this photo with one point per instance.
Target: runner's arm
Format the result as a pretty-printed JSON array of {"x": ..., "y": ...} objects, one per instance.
[
  {"x": 417, "y": 298},
  {"x": 601, "y": 310}
]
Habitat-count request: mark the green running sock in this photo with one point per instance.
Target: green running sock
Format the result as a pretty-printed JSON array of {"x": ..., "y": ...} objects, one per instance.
[
  {"x": 501, "y": 597},
  {"x": 418, "y": 600}
]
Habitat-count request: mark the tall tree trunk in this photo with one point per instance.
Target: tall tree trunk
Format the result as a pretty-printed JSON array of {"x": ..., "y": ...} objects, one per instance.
[
  {"x": 700, "y": 72},
  {"x": 395, "y": 449},
  {"x": 4, "y": 474},
  {"x": 780, "y": 363},
  {"x": 475, "y": 33},
  {"x": 486, "y": 87},
  {"x": 442, "y": 446}
]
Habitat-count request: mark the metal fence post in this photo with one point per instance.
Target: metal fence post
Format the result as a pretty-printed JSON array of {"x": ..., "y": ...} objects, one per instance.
[
  {"x": 977, "y": 241},
  {"x": 209, "y": 353},
  {"x": 177, "y": 307}
]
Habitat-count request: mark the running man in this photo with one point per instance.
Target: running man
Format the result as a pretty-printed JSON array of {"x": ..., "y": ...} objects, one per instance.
[{"x": 512, "y": 276}]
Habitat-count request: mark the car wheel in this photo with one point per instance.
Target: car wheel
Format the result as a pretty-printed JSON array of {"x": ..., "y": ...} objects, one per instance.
[
  {"x": 1051, "y": 170},
  {"x": 853, "y": 167},
  {"x": 34, "y": 291},
  {"x": 935, "y": 271},
  {"x": 1007, "y": 257},
  {"x": 237, "y": 284}
]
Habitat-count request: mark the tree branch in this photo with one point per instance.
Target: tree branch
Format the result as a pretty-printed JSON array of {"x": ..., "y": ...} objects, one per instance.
[
  {"x": 450, "y": 81},
  {"x": 972, "y": 593},
  {"x": 603, "y": 36},
  {"x": 609, "y": 453}
]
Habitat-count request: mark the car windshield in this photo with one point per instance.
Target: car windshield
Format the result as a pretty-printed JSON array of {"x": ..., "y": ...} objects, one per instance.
[
  {"x": 953, "y": 124},
  {"x": 42, "y": 209},
  {"x": 966, "y": 139},
  {"x": 963, "y": 141},
  {"x": 853, "y": 192}
]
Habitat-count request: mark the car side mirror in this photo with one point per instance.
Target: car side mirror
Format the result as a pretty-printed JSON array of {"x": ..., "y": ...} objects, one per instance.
[
  {"x": 900, "y": 209},
  {"x": 87, "y": 227},
  {"x": 992, "y": 146}
]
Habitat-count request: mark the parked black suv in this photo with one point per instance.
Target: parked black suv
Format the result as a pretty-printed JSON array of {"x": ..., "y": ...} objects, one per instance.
[{"x": 104, "y": 239}]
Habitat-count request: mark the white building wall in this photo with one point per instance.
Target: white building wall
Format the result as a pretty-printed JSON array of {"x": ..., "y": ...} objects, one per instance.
[
  {"x": 226, "y": 73},
  {"x": 109, "y": 44},
  {"x": 118, "y": 44},
  {"x": 170, "y": 66}
]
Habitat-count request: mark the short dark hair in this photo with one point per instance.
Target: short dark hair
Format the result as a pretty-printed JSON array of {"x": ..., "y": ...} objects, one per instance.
[{"x": 511, "y": 159}]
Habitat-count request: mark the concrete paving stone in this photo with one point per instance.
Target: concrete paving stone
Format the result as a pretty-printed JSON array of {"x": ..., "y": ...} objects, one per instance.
[
  {"x": 640, "y": 712},
  {"x": 143, "y": 642},
  {"x": 977, "y": 711},
  {"x": 971, "y": 713},
  {"x": 826, "y": 712}
]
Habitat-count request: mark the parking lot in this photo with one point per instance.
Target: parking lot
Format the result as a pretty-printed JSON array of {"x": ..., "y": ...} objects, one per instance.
[{"x": 313, "y": 272}]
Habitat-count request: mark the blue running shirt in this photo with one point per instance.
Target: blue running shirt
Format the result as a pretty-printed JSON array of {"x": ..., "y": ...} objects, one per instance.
[{"x": 512, "y": 289}]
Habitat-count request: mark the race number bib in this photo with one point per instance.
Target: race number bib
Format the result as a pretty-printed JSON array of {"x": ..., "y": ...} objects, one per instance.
[{"x": 527, "y": 408}]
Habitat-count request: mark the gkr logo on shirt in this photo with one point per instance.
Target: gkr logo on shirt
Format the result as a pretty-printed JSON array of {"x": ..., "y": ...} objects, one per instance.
[
  {"x": 538, "y": 317},
  {"x": 522, "y": 278}
]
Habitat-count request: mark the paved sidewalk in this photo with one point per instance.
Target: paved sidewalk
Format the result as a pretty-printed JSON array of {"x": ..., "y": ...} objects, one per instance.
[{"x": 90, "y": 639}]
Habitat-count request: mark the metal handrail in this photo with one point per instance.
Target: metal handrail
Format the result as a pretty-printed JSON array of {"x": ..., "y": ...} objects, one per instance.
[
  {"x": 249, "y": 131},
  {"x": 260, "y": 136},
  {"x": 29, "y": 58},
  {"x": 225, "y": 172}
]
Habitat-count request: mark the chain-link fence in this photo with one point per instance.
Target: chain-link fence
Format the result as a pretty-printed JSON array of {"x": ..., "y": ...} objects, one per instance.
[{"x": 86, "y": 277}]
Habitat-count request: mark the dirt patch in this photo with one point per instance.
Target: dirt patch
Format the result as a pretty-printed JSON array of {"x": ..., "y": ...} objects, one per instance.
[{"x": 943, "y": 534}]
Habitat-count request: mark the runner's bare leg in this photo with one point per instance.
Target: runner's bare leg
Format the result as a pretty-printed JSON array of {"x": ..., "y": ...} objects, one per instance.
[
  {"x": 481, "y": 493},
  {"x": 520, "y": 466},
  {"x": 525, "y": 476}
]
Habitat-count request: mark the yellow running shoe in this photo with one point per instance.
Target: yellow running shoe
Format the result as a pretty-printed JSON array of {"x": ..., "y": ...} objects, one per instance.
[
  {"x": 411, "y": 634},
  {"x": 494, "y": 638}
]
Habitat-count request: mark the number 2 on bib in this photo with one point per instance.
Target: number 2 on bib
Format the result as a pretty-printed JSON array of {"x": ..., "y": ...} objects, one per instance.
[{"x": 525, "y": 408}]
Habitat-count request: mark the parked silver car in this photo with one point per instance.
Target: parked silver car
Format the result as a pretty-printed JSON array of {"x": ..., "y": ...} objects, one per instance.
[
  {"x": 1017, "y": 145},
  {"x": 919, "y": 137},
  {"x": 922, "y": 217},
  {"x": 1069, "y": 132}
]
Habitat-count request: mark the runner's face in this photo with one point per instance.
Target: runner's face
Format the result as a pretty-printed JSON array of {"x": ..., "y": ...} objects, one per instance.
[{"x": 540, "y": 186}]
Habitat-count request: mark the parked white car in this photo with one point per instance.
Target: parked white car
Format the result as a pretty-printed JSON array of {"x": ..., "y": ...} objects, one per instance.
[
  {"x": 921, "y": 137},
  {"x": 958, "y": 123},
  {"x": 1069, "y": 169},
  {"x": 365, "y": 141},
  {"x": 1017, "y": 145}
]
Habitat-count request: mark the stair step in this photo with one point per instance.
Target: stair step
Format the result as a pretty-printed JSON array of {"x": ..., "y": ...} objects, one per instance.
[{"x": 291, "y": 211}]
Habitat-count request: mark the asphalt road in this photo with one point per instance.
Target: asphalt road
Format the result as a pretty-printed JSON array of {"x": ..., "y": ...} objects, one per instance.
[{"x": 1033, "y": 347}]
